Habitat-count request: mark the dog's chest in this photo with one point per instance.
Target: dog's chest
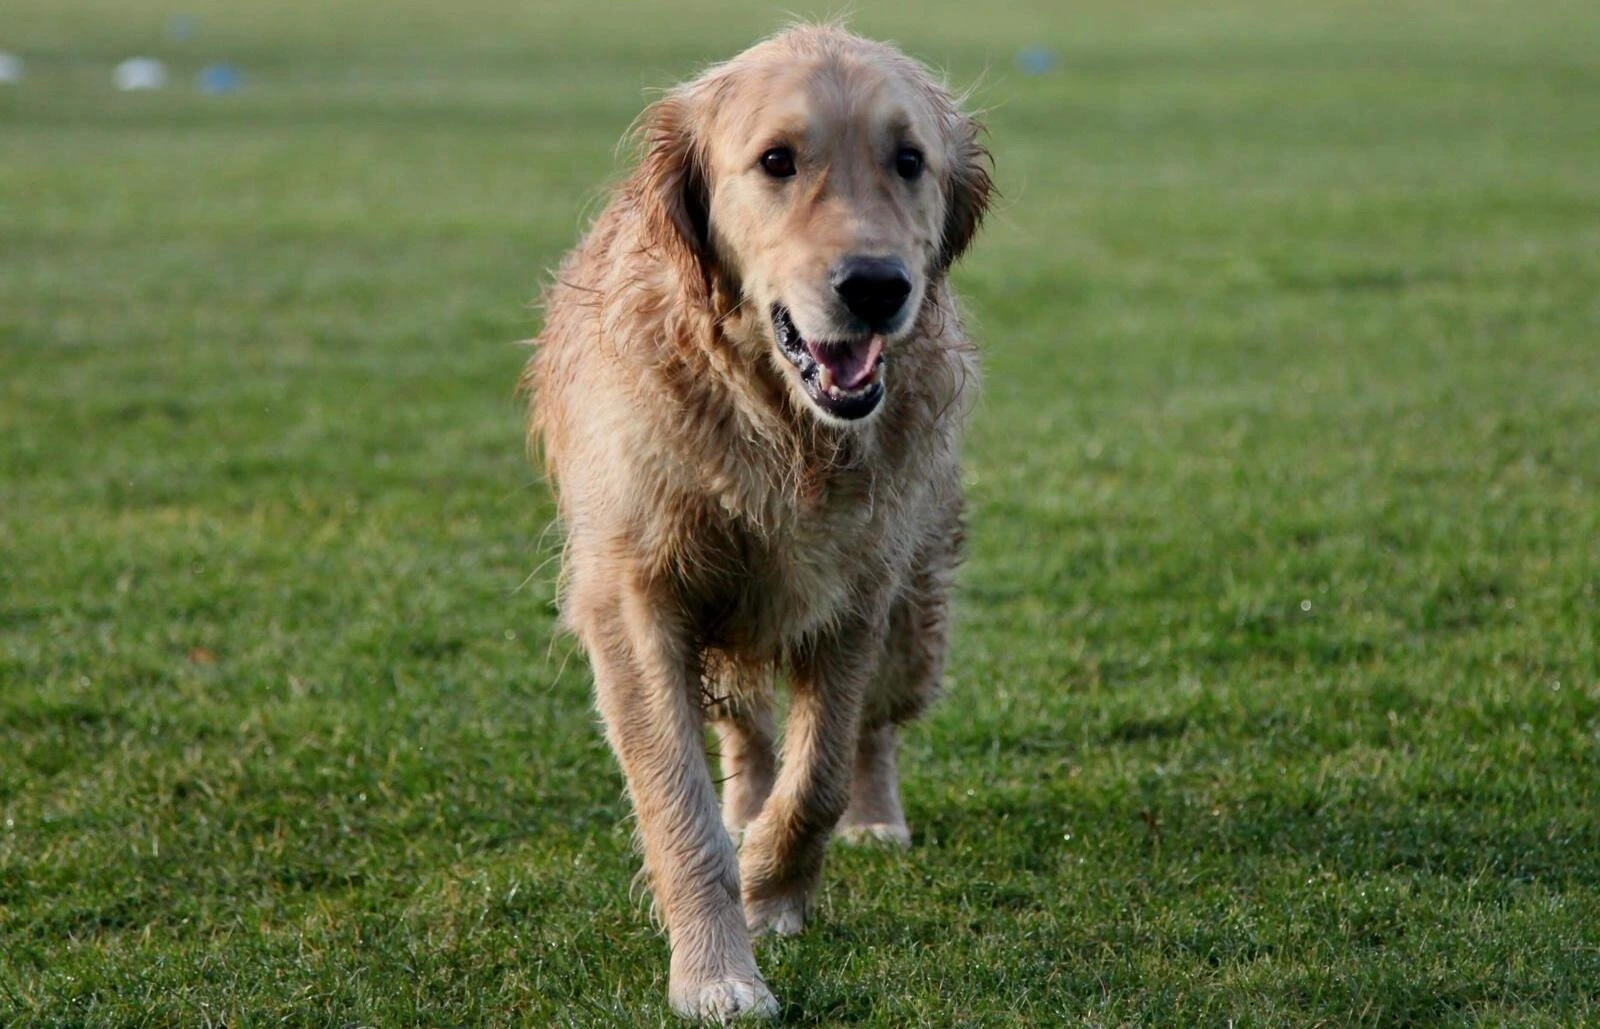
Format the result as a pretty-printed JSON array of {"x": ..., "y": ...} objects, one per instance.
[{"x": 812, "y": 565}]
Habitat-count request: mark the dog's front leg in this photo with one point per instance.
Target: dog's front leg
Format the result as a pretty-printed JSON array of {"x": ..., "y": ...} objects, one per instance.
[
  {"x": 781, "y": 861},
  {"x": 647, "y": 686}
]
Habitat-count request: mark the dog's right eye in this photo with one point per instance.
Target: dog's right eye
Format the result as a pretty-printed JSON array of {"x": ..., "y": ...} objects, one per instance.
[{"x": 778, "y": 162}]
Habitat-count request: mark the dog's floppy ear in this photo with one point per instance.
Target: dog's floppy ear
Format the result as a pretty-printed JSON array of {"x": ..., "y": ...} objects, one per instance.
[
  {"x": 670, "y": 184},
  {"x": 968, "y": 190}
]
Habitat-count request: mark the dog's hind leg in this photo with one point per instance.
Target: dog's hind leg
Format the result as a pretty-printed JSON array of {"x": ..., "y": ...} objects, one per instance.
[
  {"x": 875, "y": 814},
  {"x": 908, "y": 680},
  {"x": 741, "y": 710}
]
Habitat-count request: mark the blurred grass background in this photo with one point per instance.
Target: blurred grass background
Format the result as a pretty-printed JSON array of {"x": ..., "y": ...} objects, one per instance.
[{"x": 1276, "y": 697}]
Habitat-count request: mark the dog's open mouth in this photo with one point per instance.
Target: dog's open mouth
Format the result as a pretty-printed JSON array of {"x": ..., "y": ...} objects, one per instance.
[{"x": 843, "y": 377}]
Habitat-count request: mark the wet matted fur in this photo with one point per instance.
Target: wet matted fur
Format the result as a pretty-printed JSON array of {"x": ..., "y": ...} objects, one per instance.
[{"x": 749, "y": 394}]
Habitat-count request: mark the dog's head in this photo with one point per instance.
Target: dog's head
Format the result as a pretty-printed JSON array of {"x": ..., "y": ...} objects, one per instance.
[{"x": 825, "y": 182}]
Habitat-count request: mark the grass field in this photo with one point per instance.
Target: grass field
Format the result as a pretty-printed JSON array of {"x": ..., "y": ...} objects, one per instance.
[{"x": 1276, "y": 698}]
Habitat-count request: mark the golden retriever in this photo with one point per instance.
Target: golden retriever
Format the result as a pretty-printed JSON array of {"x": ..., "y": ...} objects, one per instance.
[{"x": 749, "y": 393}]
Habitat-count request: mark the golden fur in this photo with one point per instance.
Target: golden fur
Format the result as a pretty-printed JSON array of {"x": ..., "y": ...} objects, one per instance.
[{"x": 722, "y": 528}]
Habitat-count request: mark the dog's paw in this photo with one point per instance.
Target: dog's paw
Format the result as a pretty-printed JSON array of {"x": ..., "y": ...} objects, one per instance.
[
  {"x": 724, "y": 1000},
  {"x": 876, "y": 834},
  {"x": 780, "y": 915}
]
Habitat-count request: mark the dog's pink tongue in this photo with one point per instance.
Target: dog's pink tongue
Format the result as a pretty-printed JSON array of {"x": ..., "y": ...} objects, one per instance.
[{"x": 850, "y": 364}]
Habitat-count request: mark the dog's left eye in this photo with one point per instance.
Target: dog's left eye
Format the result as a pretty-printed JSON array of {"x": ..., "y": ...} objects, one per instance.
[
  {"x": 908, "y": 162},
  {"x": 778, "y": 162}
]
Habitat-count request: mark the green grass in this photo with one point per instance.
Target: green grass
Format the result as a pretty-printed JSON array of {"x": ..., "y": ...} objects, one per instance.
[{"x": 1276, "y": 698}]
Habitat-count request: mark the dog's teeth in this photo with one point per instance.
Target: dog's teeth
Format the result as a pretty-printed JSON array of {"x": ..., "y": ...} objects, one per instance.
[{"x": 827, "y": 379}]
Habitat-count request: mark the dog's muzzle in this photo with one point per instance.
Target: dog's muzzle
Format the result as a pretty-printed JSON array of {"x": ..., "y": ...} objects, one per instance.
[{"x": 842, "y": 377}]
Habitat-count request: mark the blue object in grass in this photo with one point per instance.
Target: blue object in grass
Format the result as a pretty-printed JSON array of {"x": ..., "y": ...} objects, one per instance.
[
  {"x": 1036, "y": 60},
  {"x": 219, "y": 78}
]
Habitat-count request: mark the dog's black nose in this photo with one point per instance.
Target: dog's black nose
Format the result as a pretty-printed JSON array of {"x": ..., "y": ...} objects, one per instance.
[{"x": 873, "y": 288}]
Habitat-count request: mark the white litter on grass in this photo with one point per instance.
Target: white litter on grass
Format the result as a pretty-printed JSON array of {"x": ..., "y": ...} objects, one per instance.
[
  {"x": 10, "y": 69},
  {"x": 140, "y": 73}
]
